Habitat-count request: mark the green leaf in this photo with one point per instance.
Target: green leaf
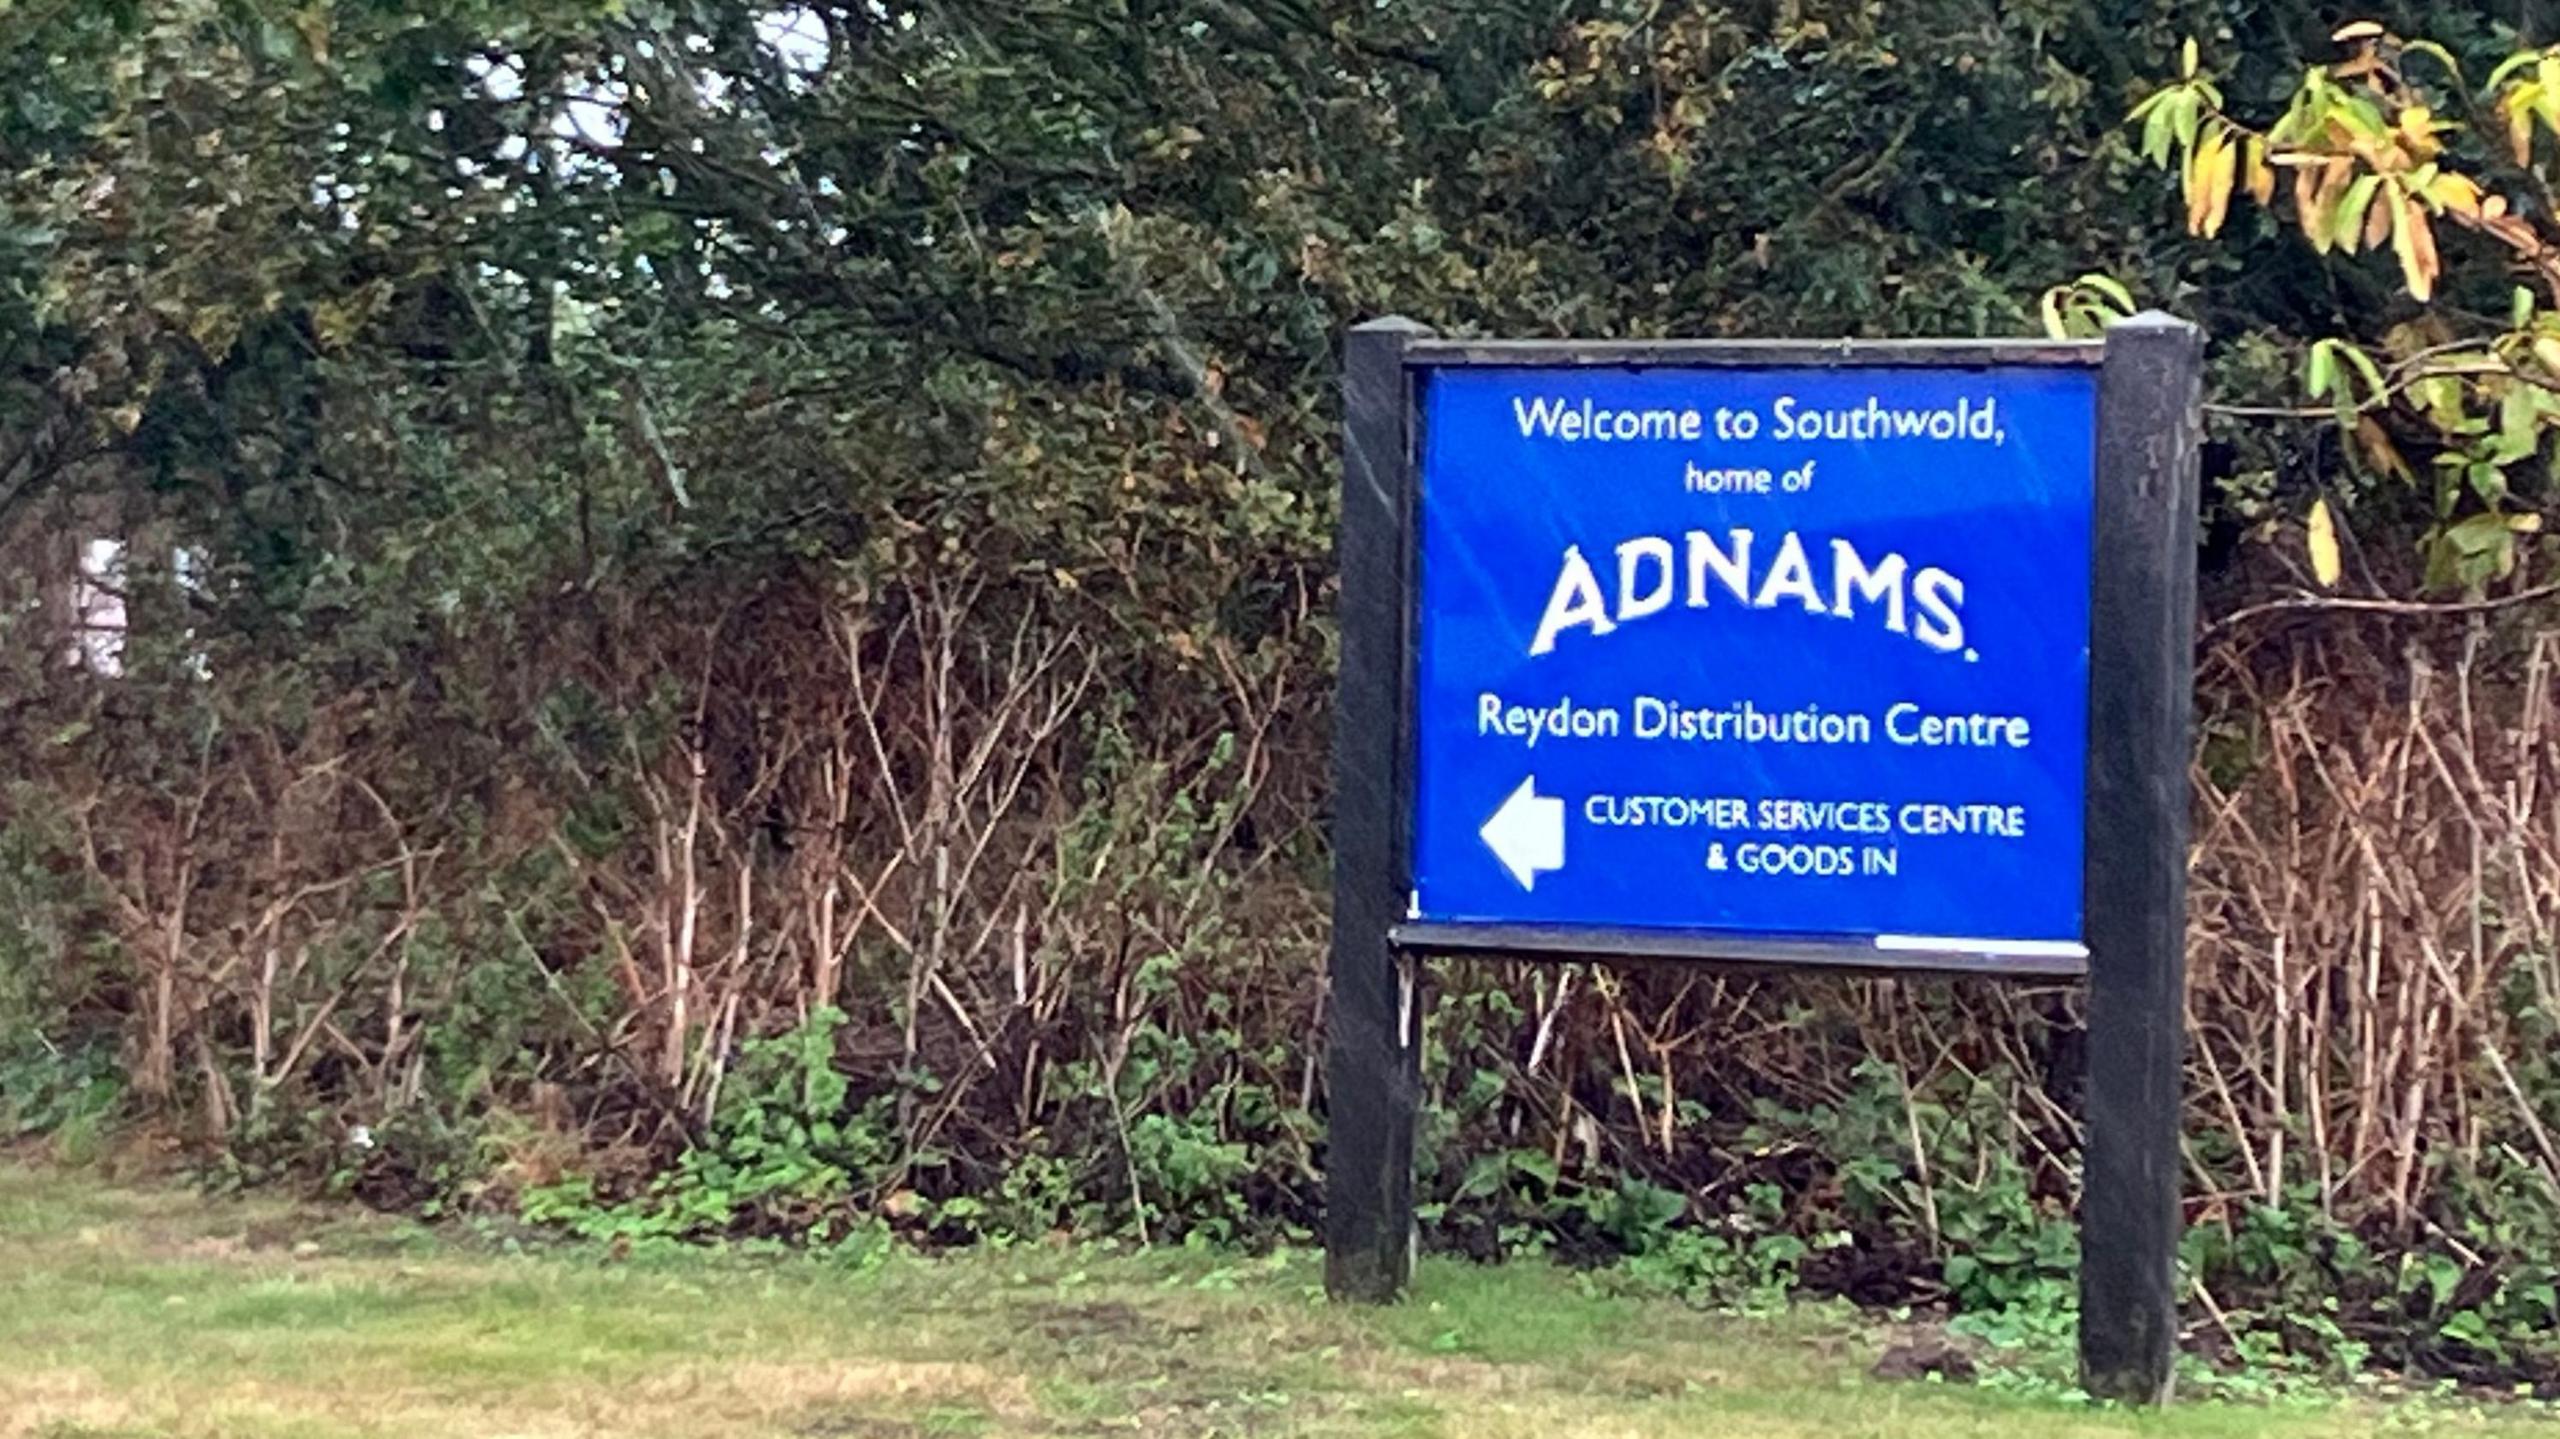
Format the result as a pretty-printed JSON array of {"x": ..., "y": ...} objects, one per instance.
[
  {"x": 2320, "y": 373},
  {"x": 2475, "y": 535},
  {"x": 2185, "y": 115},
  {"x": 2159, "y": 131},
  {"x": 2346, "y": 227},
  {"x": 1535, "y": 1163},
  {"x": 2363, "y": 119},
  {"x": 2376, "y": 387},
  {"x": 2511, "y": 65},
  {"x": 2442, "y": 1275},
  {"x": 2437, "y": 53},
  {"x": 2106, "y": 285},
  {"x": 2440, "y": 396},
  {"x": 2520, "y": 416}
]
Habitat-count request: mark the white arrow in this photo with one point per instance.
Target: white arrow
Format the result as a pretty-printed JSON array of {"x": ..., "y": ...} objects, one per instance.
[{"x": 1527, "y": 833}]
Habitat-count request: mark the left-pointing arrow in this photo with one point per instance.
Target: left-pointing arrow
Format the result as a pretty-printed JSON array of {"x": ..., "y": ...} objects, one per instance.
[{"x": 1527, "y": 833}]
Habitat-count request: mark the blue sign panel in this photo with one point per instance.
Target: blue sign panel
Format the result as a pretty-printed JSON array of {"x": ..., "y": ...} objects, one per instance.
[{"x": 1784, "y": 652}]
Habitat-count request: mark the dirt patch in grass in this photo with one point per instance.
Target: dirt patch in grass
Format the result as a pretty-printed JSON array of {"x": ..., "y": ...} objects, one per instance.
[
  {"x": 1094, "y": 1320},
  {"x": 857, "y": 1426}
]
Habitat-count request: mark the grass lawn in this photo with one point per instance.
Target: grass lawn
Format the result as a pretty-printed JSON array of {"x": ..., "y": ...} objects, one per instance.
[{"x": 152, "y": 1311}]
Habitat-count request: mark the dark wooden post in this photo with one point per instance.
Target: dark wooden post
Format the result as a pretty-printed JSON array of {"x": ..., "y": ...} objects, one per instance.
[
  {"x": 1373, "y": 1016},
  {"x": 2141, "y": 697}
]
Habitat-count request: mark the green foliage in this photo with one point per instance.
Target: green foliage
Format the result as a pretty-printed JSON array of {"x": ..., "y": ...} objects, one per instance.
[
  {"x": 59, "y": 1074},
  {"x": 784, "y": 1149},
  {"x": 69, "y": 1097},
  {"x": 2447, "y": 403}
]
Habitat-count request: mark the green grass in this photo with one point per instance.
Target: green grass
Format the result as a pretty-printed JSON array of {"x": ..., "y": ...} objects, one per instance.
[{"x": 150, "y": 1311}]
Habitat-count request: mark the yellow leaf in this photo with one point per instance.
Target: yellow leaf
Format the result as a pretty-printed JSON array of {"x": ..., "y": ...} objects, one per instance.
[
  {"x": 2322, "y": 539},
  {"x": 2377, "y": 223},
  {"x": 2455, "y": 192},
  {"x": 2193, "y": 179},
  {"x": 2518, "y": 104},
  {"x": 2319, "y": 220},
  {"x": 2525, "y": 524},
  {"x": 2209, "y": 187},
  {"x": 2418, "y": 133},
  {"x": 2415, "y": 244},
  {"x": 2306, "y": 207},
  {"x": 2546, "y": 350},
  {"x": 2422, "y": 249},
  {"x": 2256, "y": 174}
]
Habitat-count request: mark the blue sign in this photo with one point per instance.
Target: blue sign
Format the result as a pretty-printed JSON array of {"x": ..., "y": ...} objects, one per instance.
[{"x": 1782, "y": 652}]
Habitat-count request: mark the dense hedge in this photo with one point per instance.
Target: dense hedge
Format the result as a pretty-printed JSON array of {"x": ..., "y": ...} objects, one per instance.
[{"x": 730, "y": 634}]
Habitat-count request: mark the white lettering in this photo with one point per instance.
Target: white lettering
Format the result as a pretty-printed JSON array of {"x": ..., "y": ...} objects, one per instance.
[
  {"x": 1577, "y": 601},
  {"x": 1905, "y": 723},
  {"x": 1938, "y": 594},
  {"x": 1733, "y": 567},
  {"x": 1556, "y": 418},
  {"x": 1631, "y": 556},
  {"x": 1885, "y": 588},
  {"x": 1851, "y": 579},
  {"x": 1790, "y": 577}
]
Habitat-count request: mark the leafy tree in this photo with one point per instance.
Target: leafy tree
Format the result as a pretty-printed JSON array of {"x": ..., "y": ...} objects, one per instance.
[{"x": 2453, "y": 397}]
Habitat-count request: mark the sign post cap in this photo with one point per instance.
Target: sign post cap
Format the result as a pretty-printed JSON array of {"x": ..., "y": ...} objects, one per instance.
[{"x": 2156, "y": 320}]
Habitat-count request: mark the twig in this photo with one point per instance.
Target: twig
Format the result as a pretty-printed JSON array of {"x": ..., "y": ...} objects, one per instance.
[{"x": 2421, "y": 608}]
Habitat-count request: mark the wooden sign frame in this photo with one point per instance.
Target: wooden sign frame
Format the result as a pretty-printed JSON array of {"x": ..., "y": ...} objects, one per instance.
[{"x": 2141, "y": 680}]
